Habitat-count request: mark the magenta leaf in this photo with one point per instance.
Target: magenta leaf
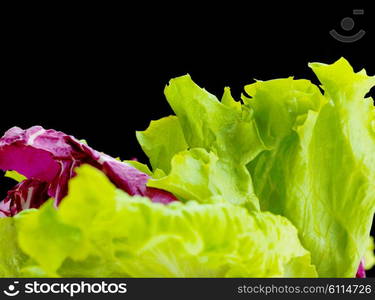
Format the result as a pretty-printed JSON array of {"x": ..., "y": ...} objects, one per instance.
[
  {"x": 48, "y": 159},
  {"x": 361, "y": 272}
]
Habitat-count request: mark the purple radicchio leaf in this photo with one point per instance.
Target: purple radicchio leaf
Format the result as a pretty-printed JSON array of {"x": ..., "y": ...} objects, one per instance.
[
  {"x": 30, "y": 193},
  {"x": 361, "y": 272},
  {"x": 48, "y": 159}
]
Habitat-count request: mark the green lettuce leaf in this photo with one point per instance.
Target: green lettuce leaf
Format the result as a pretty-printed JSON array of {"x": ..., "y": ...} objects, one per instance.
[
  {"x": 226, "y": 129},
  {"x": 280, "y": 105},
  {"x": 139, "y": 166},
  {"x": 309, "y": 156},
  {"x": 11, "y": 257},
  {"x": 199, "y": 175},
  {"x": 15, "y": 176},
  {"x": 101, "y": 231},
  {"x": 162, "y": 139},
  {"x": 319, "y": 170},
  {"x": 214, "y": 142}
]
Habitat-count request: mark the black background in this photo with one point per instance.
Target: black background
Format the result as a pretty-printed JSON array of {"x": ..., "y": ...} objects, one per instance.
[{"x": 98, "y": 73}]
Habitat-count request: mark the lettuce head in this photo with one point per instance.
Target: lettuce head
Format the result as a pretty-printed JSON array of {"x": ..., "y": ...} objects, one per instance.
[{"x": 278, "y": 184}]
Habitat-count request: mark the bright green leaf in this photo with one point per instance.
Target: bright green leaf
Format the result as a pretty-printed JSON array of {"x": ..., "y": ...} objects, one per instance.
[
  {"x": 161, "y": 140},
  {"x": 15, "y": 175},
  {"x": 320, "y": 173}
]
